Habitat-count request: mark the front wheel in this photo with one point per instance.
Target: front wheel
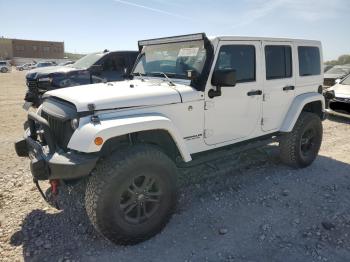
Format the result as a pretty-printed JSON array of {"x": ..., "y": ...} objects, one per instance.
[
  {"x": 4, "y": 70},
  {"x": 132, "y": 194},
  {"x": 300, "y": 147}
]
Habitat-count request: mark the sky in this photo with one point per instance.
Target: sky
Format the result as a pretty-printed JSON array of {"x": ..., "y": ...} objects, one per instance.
[{"x": 93, "y": 25}]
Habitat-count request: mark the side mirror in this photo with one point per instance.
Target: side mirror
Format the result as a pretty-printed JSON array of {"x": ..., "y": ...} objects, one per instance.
[
  {"x": 95, "y": 69},
  {"x": 220, "y": 78},
  {"x": 329, "y": 95},
  {"x": 337, "y": 81}
]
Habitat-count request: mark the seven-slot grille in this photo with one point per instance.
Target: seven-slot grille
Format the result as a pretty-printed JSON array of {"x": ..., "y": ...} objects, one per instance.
[{"x": 61, "y": 130}]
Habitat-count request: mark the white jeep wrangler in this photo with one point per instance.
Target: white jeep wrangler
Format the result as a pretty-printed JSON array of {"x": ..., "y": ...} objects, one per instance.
[{"x": 187, "y": 96}]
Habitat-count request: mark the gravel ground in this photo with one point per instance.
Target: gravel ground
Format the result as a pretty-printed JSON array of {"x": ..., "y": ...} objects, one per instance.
[{"x": 246, "y": 207}]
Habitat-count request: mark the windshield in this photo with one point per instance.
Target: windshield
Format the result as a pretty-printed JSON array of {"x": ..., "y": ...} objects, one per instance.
[
  {"x": 87, "y": 61},
  {"x": 339, "y": 70},
  {"x": 346, "y": 81},
  {"x": 2, "y": 63},
  {"x": 176, "y": 60}
]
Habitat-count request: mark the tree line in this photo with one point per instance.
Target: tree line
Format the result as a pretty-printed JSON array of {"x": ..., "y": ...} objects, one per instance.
[{"x": 342, "y": 60}]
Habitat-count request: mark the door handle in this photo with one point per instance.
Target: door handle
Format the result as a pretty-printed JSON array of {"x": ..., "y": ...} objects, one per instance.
[
  {"x": 287, "y": 88},
  {"x": 254, "y": 93}
]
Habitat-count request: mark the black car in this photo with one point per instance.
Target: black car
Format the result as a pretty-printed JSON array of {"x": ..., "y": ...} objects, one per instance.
[{"x": 99, "y": 67}]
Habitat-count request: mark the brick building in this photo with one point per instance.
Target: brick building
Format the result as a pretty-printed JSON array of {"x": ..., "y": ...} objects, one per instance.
[{"x": 12, "y": 49}]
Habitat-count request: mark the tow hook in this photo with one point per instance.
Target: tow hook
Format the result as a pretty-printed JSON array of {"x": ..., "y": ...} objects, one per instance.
[
  {"x": 54, "y": 186},
  {"x": 51, "y": 197}
]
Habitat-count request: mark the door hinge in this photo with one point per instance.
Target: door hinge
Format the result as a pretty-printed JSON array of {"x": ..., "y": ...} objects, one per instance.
[
  {"x": 262, "y": 121},
  {"x": 208, "y": 133},
  {"x": 264, "y": 97},
  {"x": 208, "y": 105}
]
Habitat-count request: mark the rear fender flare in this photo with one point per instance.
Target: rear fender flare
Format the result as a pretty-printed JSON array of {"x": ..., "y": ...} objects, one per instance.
[{"x": 297, "y": 106}]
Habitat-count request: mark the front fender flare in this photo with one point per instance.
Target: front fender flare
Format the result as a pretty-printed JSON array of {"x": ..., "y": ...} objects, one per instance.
[
  {"x": 83, "y": 138},
  {"x": 297, "y": 106}
]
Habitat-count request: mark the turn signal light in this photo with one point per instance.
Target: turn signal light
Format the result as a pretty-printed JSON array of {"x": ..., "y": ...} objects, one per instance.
[{"x": 98, "y": 141}]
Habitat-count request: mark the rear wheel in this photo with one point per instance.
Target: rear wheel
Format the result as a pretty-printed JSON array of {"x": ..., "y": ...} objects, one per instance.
[
  {"x": 4, "y": 70},
  {"x": 300, "y": 147},
  {"x": 132, "y": 194}
]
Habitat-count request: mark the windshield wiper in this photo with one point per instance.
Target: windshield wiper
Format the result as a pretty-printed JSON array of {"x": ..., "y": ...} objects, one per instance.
[
  {"x": 163, "y": 74},
  {"x": 142, "y": 80},
  {"x": 139, "y": 74}
]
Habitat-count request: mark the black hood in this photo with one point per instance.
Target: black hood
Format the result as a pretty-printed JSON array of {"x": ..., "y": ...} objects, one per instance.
[{"x": 50, "y": 70}]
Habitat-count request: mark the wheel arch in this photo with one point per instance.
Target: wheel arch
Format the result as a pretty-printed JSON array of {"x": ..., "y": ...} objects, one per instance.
[
  {"x": 153, "y": 129},
  {"x": 309, "y": 102}
]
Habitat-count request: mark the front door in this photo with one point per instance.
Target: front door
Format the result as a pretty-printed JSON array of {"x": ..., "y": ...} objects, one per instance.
[
  {"x": 236, "y": 113},
  {"x": 279, "y": 83}
]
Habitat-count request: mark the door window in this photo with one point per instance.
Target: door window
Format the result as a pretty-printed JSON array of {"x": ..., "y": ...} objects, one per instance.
[
  {"x": 240, "y": 58},
  {"x": 115, "y": 63},
  {"x": 278, "y": 60}
]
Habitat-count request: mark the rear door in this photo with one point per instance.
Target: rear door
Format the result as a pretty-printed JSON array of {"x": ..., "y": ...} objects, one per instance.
[{"x": 279, "y": 82}]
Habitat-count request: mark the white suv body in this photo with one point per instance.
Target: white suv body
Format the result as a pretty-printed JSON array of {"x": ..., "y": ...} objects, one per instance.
[
  {"x": 197, "y": 122},
  {"x": 188, "y": 95}
]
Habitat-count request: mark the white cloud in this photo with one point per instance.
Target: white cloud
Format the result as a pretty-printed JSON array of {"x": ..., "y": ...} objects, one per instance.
[
  {"x": 153, "y": 9},
  {"x": 314, "y": 10},
  {"x": 259, "y": 11}
]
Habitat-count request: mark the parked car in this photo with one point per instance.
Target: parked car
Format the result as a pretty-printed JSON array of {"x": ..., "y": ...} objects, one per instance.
[
  {"x": 336, "y": 72},
  {"x": 94, "y": 68},
  {"x": 5, "y": 66},
  {"x": 189, "y": 95},
  {"x": 338, "y": 98},
  {"x": 66, "y": 63},
  {"x": 43, "y": 64},
  {"x": 24, "y": 67},
  {"x": 327, "y": 67}
]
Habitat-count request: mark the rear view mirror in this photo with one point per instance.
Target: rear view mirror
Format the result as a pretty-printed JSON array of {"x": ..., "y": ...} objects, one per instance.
[{"x": 224, "y": 77}]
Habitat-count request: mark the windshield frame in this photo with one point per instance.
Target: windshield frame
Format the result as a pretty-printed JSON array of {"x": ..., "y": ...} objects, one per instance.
[{"x": 199, "y": 82}]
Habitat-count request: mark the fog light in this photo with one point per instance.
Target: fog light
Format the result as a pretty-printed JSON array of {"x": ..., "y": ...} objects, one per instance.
[
  {"x": 98, "y": 141},
  {"x": 74, "y": 123}
]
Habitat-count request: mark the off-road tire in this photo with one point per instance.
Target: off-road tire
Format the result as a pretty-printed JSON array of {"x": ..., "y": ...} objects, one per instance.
[
  {"x": 108, "y": 181},
  {"x": 290, "y": 143},
  {"x": 4, "y": 70}
]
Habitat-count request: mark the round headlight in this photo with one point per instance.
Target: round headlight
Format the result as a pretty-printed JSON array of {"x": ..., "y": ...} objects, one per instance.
[{"x": 74, "y": 123}]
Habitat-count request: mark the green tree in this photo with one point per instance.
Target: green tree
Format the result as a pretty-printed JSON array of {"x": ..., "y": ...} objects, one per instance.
[{"x": 342, "y": 60}]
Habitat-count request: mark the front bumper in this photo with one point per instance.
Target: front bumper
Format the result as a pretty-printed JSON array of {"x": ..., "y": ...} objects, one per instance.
[
  {"x": 332, "y": 112},
  {"x": 338, "y": 106},
  {"x": 46, "y": 160}
]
